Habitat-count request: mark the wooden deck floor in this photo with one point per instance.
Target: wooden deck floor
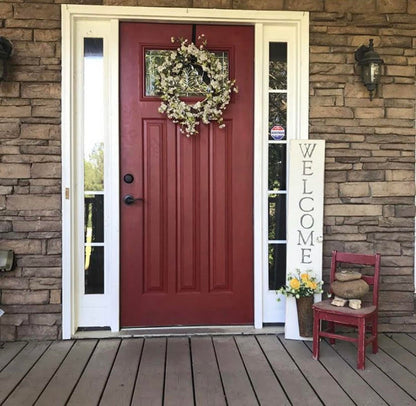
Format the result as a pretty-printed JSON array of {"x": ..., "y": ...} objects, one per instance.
[{"x": 209, "y": 370}]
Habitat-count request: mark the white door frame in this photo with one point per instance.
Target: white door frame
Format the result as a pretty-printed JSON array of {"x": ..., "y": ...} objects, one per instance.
[{"x": 72, "y": 17}]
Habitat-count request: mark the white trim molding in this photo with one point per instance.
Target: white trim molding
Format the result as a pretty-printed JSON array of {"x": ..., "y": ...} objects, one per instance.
[{"x": 73, "y": 16}]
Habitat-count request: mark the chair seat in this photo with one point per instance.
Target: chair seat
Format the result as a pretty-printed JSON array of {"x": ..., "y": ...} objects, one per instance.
[{"x": 326, "y": 306}]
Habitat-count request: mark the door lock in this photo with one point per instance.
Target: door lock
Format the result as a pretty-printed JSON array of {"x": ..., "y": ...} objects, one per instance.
[
  {"x": 129, "y": 199},
  {"x": 128, "y": 178}
]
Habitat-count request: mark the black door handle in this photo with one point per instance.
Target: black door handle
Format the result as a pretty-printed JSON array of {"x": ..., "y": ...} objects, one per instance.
[{"x": 129, "y": 199}]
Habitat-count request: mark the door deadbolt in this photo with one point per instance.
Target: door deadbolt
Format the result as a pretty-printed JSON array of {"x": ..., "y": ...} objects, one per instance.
[{"x": 128, "y": 178}]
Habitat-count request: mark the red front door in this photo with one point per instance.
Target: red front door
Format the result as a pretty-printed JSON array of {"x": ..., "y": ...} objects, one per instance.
[{"x": 187, "y": 247}]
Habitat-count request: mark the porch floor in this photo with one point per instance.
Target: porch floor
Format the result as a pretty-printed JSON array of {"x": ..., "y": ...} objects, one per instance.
[{"x": 206, "y": 370}]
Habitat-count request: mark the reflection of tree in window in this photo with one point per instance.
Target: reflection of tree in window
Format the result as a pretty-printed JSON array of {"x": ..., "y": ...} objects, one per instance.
[
  {"x": 278, "y": 65},
  {"x": 277, "y": 266},
  {"x": 277, "y": 110},
  {"x": 277, "y": 75},
  {"x": 277, "y": 231},
  {"x": 277, "y": 217},
  {"x": 94, "y": 169},
  {"x": 94, "y": 232},
  {"x": 94, "y": 273},
  {"x": 277, "y": 167},
  {"x": 94, "y": 219}
]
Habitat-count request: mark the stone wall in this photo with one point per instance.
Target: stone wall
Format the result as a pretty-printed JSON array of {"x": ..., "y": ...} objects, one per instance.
[
  {"x": 369, "y": 190},
  {"x": 370, "y": 150}
]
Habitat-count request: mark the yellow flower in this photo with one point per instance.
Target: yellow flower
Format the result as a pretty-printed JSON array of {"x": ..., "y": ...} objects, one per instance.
[
  {"x": 294, "y": 283},
  {"x": 304, "y": 277},
  {"x": 312, "y": 285}
]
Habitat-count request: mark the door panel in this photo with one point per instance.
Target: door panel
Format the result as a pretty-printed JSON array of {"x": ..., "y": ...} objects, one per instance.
[{"x": 187, "y": 247}]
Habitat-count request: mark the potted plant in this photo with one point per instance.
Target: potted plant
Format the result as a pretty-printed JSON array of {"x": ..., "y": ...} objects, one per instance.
[{"x": 302, "y": 285}]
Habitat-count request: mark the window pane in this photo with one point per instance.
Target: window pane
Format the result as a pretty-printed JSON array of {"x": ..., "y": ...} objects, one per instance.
[
  {"x": 277, "y": 217},
  {"x": 278, "y": 65},
  {"x": 192, "y": 80},
  {"x": 277, "y": 266},
  {"x": 277, "y": 166},
  {"x": 94, "y": 218},
  {"x": 153, "y": 59},
  {"x": 277, "y": 112},
  {"x": 94, "y": 270},
  {"x": 93, "y": 114}
]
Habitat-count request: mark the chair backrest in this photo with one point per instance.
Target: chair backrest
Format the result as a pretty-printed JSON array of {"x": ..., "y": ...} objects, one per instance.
[{"x": 359, "y": 259}]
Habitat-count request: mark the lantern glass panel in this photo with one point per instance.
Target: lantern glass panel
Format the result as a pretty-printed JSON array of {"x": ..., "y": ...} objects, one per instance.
[
  {"x": 374, "y": 72},
  {"x": 365, "y": 74}
]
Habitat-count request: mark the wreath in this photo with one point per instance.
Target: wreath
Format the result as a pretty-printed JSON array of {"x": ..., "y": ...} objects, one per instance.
[{"x": 189, "y": 61}]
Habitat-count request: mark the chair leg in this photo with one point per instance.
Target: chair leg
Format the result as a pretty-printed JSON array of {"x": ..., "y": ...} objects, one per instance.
[
  {"x": 374, "y": 333},
  {"x": 361, "y": 344},
  {"x": 316, "y": 328},
  {"x": 331, "y": 329}
]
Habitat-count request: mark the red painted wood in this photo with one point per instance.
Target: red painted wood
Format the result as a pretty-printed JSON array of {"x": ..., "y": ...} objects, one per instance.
[
  {"x": 365, "y": 317},
  {"x": 187, "y": 249}
]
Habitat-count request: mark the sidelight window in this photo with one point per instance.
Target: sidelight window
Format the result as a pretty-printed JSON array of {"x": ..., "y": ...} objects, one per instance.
[
  {"x": 93, "y": 106},
  {"x": 277, "y": 151}
]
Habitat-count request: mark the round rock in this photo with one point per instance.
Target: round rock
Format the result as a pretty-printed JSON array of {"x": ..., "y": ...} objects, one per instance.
[
  {"x": 345, "y": 276},
  {"x": 351, "y": 289}
]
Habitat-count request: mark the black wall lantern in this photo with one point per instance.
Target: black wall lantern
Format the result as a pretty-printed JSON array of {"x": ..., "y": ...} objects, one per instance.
[
  {"x": 5, "y": 52},
  {"x": 370, "y": 63}
]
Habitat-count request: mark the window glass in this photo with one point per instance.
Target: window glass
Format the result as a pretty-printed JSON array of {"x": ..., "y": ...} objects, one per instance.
[
  {"x": 192, "y": 79},
  {"x": 278, "y": 65},
  {"x": 277, "y": 114},
  {"x": 277, "y": 174},
  {"x": 277, "y": 217},
  {"x": 277, "y": 266},
  {"x": 94, "y": 266},
  {"x": 93, "y": 114},
  {"x": 94, "y": 218},
  {"x": 93, "y": 165},
  {"x": 277, "y": 166}
]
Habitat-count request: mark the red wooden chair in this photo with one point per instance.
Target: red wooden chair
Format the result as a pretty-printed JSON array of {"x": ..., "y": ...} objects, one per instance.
[{"x": 360, "y": 319}]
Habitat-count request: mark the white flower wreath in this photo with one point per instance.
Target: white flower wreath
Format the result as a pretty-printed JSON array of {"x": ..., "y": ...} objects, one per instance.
[{"x": 170, "y": 84}]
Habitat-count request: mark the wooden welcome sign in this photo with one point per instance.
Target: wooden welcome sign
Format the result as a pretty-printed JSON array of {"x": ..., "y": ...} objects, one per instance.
[{"x": 305, "y": 217}]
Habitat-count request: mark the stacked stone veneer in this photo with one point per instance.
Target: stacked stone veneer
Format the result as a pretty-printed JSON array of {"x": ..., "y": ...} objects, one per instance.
[{"x": 370, "y": 150}]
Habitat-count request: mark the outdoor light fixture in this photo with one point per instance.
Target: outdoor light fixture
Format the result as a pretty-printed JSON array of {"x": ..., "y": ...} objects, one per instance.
[
  {"x": 6, "y": 260},
  {"x": 5, "y": 52},
  {"x": 370, "y": 63}
]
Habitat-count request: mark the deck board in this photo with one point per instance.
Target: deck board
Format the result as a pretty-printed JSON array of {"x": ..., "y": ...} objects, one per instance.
[
  {"x": 375, "y": 377},
  {"x": 151, "y": 375},
  {"x": 347, "y": 377},
  {"x": 396, "y": 351},
  {"x": 178, "y": 380},
  {"x": 37, "y": 378},
  {"x": 215, "y": 370},
  {"x": 406, "y": 341},
  {"x": 207, "y": 381},
  {"x": 265, "y": 384},
  {"x": 405, "y": 379},
  {"x": 61, "y": 385},
  {"x": 237, "y": 386},
  {"x": 92, "y": 382},
  {"x": 290, "y": 377},
  {"x": 321, "y": 380},
  {"x": 16, "y": 370},
  {"x": 8, "y": 351},
  {"x": 120, "y": 385}
]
